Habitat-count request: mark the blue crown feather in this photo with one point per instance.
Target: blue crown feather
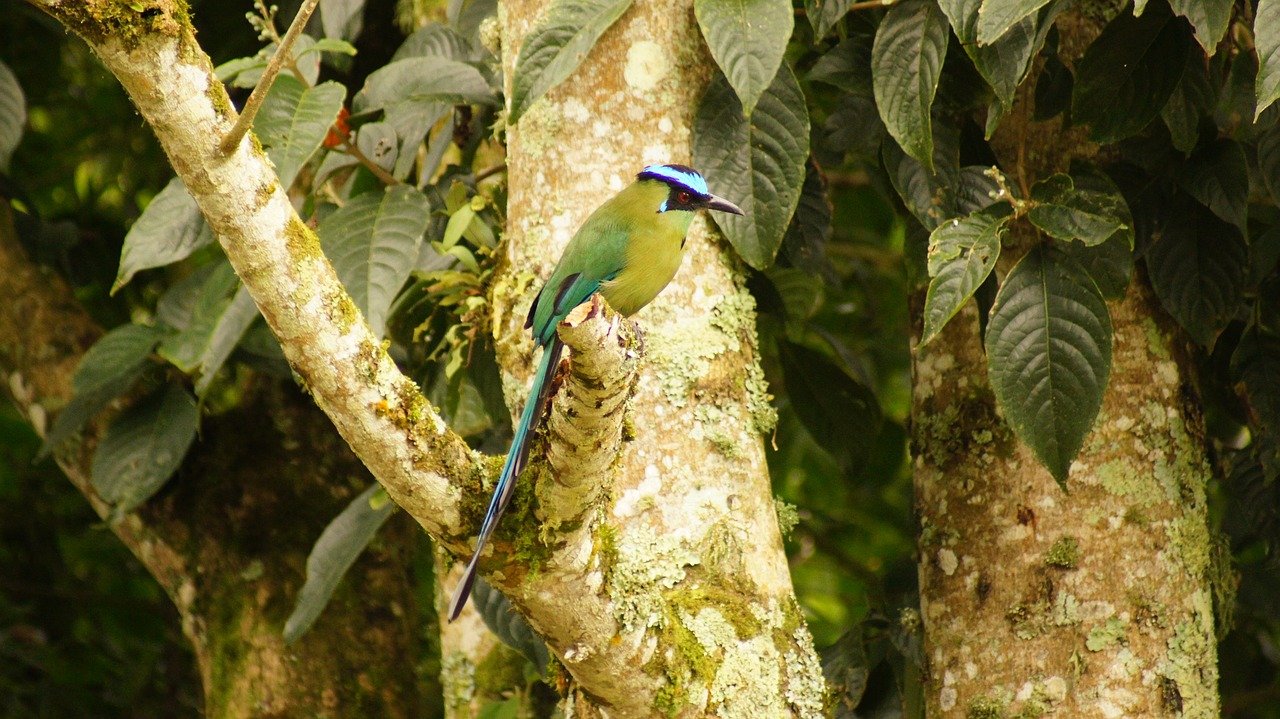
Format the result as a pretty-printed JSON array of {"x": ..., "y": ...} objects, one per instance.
[{"x": 678, "y": 174}]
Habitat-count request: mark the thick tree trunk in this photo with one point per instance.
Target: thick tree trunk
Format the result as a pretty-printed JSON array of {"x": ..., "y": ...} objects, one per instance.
[
  {"x": 228, "y": 538},
  {"x": 1094, "y": 602},
  {"x": 699, "y": 607}
]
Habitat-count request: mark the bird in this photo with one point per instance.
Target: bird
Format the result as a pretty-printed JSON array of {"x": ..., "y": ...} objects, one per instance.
[{"x": 628, "y": 249}]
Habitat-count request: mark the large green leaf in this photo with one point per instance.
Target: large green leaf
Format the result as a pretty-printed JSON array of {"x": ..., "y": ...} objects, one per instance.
[
  {"x": 962, "y": 254},
  {"x": 294, "y": 120},
  {"x": 757, "y": 162},
  {"x": 168, "y": 230},
  {"x": 747, "y": 39},
  {"x": 906, "y": 64},
  {"x": 341, "y": 18},
  {"x": 143, "y": 447},
  {"x": 106, "y": 371},
  {"x": 1128, "y": 73},
  {"x": 929, "y": 195},
  {"x": 997, "y": 16},
  {"x": 1049, "y": 355},
  {"x": 229, "y": 327},
  {"x": 208, "y": 305},
  {"x": 373, "y": 242},
  {"x": 840, "y": 412},
  {"x": 434, "y": 40},
  {"x": 13, "y": 115},
  {"x": 1068, "y": 212},
  {"x": 1198, "y": 265},
  {"x": 1266, "y": 39},
  {"x": 333, "y": 554},
  {"x": 557, "y": 46},
  {"x": 1209, "y": 17},
  {"x": 1218, "y": 176},
  {"x": 1004, "y": 62}
]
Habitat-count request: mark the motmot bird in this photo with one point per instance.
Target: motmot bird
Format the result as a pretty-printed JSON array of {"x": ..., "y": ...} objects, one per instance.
[{"x": 627, "y": 250}]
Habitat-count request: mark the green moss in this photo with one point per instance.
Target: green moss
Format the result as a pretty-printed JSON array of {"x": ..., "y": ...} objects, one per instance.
[
  {"x": 1027, "y": 619},
  {"x": 1104, "y": 635},
  {"x": 733, "y": 607},
  {"x": 501, "y": 669},
  {"x": 1156, "y": 341},
  {"x": 788, "y": 516},
  {"x": 125, "y": 22},
  {"x": 1064, "y": 554},
  {"x": 984, "y": 707}
]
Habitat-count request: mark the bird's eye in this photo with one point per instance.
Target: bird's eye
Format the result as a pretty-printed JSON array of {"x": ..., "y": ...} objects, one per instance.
[{"x": 684, "y": 198}]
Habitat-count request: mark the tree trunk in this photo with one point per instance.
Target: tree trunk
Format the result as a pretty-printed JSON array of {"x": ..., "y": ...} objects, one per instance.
[
  {"x": 1097, "y": 601},
  {"x": 699, "y": 602}
]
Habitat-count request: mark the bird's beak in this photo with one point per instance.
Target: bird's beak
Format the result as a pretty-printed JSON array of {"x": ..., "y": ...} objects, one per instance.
[{"x": 719, "y": 203}]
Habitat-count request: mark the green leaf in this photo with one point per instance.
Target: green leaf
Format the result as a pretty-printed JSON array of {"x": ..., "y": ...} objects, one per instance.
[
  {"x": 1190, "y": 102},
  {"x": 806, "y": 240},
  {"x": 962, "y": 254},
  {"x": 338, "y": 547},
  {"x": 331, "y": 44},
  {"x": 13, "y": 115},
  {"x": 1005, "y": 62},
  {"x": 557, "y": 46},
  {"x": 824, "y": 14},
  {"x": 294, "y": 121},
  {"x": 143, "y": 447},
  {"x": 906, "y": 64},
  {"x": 1210, "y": 18},
  {"x": 168, "y": 230},
  {"x": 1255, "y": 365},
  {"x": 1218, "y": 176},
  {"x": 997, "y": 16},
  {"x": 434, "y": 40},
  {"x": 1049, "y": 355},
  {"x": 1266, "y": 38},
  {"x": 426, "y": 79},
  {"x": 757, "y": 163},
  {"x": 373, "y": 242},
  {"x": 930, "y": 196},
  {"x": 184, "y": 349},
  {"x": 1269, "y": 161},
  {"x": 746, "y": 39},
  {"x": 1198, "y": 266},
  {"x": 415, "y": 93},
  {"x": 840, "y": 412},
  {"x": 1128, "y": 73},
  {"x": 106, "y": 371},
  {"x": 341, "y": 18},
  {"x": 1068, "y": 212},
  {"x": 228, "y": 328},
  {"x": 846, "y": 66},
  {"x": 1110, "y": 263}
]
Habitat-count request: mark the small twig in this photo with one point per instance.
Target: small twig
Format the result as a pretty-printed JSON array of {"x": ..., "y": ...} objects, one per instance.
[
  {"x": 375, "y": 168},
  {"x": 254, "y": 103},
  {"x": 490, "y": 172}
]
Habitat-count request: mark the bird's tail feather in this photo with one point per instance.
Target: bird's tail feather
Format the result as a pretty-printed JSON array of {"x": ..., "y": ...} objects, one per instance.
[{"x": 517, "y": 457}]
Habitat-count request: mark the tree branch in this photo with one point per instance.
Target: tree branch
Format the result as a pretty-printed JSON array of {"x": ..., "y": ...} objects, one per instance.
[{"x": 377, "y": 410}]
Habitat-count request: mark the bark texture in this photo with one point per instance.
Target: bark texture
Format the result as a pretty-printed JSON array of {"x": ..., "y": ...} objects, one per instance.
[{"x": 1096, "y": 602}]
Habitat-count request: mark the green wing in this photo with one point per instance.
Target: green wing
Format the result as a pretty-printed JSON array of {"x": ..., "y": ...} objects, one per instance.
[{"x": 596, "y": 254}]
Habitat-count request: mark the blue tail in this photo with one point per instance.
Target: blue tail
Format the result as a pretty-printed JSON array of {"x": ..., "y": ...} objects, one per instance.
[{"x": 517, "y": 457}]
